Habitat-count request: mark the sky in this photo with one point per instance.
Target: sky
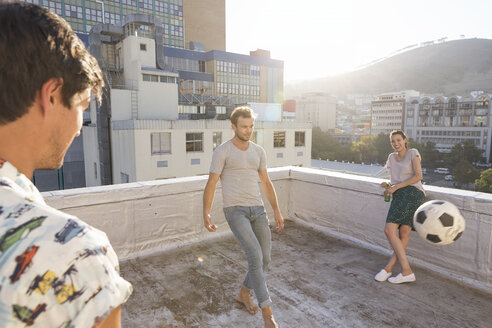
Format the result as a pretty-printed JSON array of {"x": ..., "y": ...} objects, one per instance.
[{"x": 317, "y": 38}]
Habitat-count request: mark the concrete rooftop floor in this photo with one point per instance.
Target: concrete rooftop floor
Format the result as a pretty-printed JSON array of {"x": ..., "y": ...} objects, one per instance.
[{"x": 314, "y": 280}]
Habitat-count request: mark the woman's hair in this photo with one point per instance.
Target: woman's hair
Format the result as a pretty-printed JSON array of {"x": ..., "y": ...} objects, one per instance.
[{"x": 403, "y": 135}]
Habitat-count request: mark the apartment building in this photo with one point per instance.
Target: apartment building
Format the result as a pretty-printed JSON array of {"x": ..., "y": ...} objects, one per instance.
[
  {"x": 447, "y": 121},
  {"x": 387, "y": 111}
]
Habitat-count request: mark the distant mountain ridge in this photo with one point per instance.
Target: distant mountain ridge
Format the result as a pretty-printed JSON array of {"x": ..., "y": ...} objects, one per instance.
[{"x": 453, "y": 67}]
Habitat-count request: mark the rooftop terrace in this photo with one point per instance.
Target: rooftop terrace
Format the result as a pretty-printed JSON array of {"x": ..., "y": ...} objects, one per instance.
[{"x": 323, "y": 263}]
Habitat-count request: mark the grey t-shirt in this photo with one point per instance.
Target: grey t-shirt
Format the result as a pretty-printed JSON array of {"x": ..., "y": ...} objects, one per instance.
[
  {"x": 238, "y": 171},
  {"x": 403, "y": 170}
]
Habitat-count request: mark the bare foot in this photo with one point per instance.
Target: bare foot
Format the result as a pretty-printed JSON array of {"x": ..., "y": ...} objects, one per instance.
[
  {"x": 244, "y": 299},
  {"x": 268, "y": 317},
  {"x": 270, "y": 322}
]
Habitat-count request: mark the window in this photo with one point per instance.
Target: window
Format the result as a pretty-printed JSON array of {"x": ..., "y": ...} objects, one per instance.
[
  {"x": 160, "y": 143},
  {"x": 93, "y": 15},
  {"x": 161, "y": 163},
  {"x": 217, "y": 139},
  {"x": 143, "y": 47},
  {"x": 300, "y": 139},
  {"x": 278, "y": 139},
  {"x": 150, "y": 77},
  {"x": 168, "y": 79},
  {"x": 194, "y": 141}
]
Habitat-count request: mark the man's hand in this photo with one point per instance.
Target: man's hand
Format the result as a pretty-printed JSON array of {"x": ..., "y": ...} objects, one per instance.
[
  {"x": 207, "y": 222},
  {"x": 279, "y": 220}
]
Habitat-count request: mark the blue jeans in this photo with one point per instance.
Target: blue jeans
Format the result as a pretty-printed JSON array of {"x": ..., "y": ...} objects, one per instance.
[{"x": 251, "y": 228}]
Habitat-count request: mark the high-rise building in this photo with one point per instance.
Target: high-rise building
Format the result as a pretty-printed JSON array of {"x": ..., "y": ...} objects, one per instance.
[{"x": 84, "y": 14}]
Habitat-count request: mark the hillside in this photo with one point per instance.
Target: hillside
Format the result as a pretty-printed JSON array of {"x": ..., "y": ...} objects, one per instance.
[{"x": 454, "y": 67}]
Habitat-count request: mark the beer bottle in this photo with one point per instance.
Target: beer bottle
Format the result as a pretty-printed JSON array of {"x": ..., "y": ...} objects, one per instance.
[{"x": 387, "y": 196}]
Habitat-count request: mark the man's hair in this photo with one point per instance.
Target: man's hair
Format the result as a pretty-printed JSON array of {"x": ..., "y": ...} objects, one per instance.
[
  {"x": 400, "y": 132},
  {"x": 242, "y": 111},
  {"x": 36, "y": 46}
]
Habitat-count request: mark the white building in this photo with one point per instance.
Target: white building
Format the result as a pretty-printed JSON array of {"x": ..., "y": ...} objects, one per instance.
[
  {"x": 148, "y": 141},
  {"x": 449, "y": 121},
  {"x": 318, "y": 108},
  {"x": 387, "y": 111},
  {"x": 159, "y": 149}
]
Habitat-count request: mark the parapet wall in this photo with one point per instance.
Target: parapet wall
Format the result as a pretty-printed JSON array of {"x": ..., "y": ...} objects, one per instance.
[
  {"x": 146, "y": 217},
  {"x": 352, "y": 206}
]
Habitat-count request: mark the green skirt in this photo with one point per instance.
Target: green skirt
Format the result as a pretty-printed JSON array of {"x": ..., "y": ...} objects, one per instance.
[{"x": 404, "y": 203}]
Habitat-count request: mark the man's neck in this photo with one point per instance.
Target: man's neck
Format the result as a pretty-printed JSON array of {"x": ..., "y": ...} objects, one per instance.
[
  {"x": 21, "y": 164},
  {"x": 241, "y": 144},
  {"x": 18, "y": 148}
]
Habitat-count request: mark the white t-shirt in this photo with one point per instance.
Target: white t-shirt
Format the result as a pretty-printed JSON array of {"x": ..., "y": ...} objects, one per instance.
[
  {"x": 55, "y": 270},
  {"x": 238, "y": 171},
  {"x": 402, "y": 170}
]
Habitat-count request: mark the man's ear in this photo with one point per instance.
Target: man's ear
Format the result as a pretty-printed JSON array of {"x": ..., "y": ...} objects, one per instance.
[{"x": 50, "y": 94}]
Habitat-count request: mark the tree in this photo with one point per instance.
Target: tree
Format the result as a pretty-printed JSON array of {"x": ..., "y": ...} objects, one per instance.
[
  {"x": 424, "y": 151},
  {"x": 464, "y": 172},
  {"x": 324, "y": 145},
  {"x": 465, "y": 150},
  {"x": 351, "y": 153},
  {"x": 383, "y": 146},
  {"x": 431, "y": 155},
  {"x": 484, "y": 184},
  {"x": 417, "y": 145},
  {"x": 367, "y": 149}
]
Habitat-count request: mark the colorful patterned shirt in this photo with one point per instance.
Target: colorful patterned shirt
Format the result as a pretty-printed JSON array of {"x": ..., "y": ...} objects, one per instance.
[{"x": 55, "y": 270}]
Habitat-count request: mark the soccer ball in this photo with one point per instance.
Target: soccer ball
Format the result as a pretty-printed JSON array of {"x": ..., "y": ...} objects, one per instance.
[{"x": 439, "y": 222}]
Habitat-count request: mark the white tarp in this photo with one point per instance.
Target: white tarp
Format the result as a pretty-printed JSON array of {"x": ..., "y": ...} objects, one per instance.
[{"x": 146, "y": 217}]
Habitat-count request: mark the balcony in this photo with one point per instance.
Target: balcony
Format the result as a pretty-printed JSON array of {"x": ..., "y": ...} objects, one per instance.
[
  {"x": 323, "y": 263},
  {"x": 481, "y": 112}
]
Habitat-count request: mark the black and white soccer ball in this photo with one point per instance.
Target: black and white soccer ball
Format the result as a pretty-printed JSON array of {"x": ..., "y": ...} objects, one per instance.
[{"x": 439, "y": 222}]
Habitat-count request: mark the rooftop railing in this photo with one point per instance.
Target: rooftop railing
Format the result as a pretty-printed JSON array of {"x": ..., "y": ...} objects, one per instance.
[{"x": 146, "y": 217}]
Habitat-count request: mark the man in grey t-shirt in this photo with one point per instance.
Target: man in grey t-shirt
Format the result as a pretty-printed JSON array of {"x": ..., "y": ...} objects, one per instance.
[{"x": 240, "y": 165}]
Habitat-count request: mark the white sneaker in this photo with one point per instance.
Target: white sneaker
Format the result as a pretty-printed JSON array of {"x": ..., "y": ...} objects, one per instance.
[
  {"x": 382, "y": 275},
  {"x": 400, "y": 278}
]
